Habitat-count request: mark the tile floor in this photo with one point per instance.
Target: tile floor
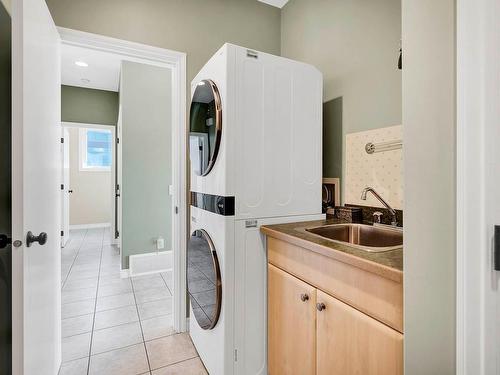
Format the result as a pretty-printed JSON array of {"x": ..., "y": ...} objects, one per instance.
[{"x": 119, "y": 326}]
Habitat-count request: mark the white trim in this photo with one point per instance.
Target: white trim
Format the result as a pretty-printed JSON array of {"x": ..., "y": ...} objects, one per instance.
[
  {"x": 177, "y": 62},
  {"x": 89, "y": 226},
  {"x": 124, "y": 273},
  {"x": 478, "y": 65}
]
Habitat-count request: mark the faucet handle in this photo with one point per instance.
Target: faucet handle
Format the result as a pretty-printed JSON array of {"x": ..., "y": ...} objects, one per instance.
[{"x": 377, "y": 217}]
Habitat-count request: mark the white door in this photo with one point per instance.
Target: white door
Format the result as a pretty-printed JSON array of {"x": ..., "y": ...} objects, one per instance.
[
  {"x": 36, "y": 179},
  {"x": 65, "y": 188}
]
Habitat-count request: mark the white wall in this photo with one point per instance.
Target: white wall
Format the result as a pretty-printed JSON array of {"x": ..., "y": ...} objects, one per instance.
[
  {"x": 355, "y": 44},
  {"x": 146, "y": 139},
  {"x": 429, "y": 164},
  {"x": 90, "y": 202}
]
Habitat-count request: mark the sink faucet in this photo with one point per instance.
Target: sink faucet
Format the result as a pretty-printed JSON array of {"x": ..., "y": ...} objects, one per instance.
[{"x": 376, "y": 195}]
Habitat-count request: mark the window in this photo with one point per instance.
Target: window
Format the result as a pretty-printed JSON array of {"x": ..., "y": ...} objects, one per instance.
[{"x": 95, "y": 149}]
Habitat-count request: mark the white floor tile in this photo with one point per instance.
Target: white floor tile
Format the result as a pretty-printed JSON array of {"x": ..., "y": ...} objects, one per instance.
[
  {"x": 152, "y": 294},
  {"x": 77, "y": 367},
  {"x": 113, "y": 302},
  {"x": 110, "y": 318},
  {"x": 77, "y": 325},
  {"x": 116, "y": 337},
  {"x": 156, "y": 308},
  {"x": 125, "y": 361},
  {"x": 75, "y": 347},
  {"x": 155, "y": 328},
  {"x": 72, "y": 309}
]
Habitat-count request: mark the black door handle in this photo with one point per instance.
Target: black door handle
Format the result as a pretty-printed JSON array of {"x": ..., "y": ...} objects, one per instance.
[
  {"x": 41, "y": 238},
  {"x": 4, "y": 241}
]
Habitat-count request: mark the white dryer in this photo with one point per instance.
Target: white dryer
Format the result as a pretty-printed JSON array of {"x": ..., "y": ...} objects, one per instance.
[{"x": 256, "y": 150}]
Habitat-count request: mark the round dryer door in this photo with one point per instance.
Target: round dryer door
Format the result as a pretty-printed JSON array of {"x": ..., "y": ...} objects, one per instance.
[
  {"x": 204, "y": 279},
  {"x": 205, "y": 127}
]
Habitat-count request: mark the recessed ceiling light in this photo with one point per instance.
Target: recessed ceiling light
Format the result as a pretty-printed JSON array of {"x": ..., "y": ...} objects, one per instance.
[
  {"x": 85, "y": 80},
  {"x": 83, "y": 64}
]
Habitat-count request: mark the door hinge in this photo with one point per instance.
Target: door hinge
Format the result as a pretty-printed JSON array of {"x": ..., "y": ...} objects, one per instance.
[
  {"x": 176, "y": 209},
  {"x": 62, "y": 140},
  {"x": 62, "y": 186},
  {"x": 117, "y": 140},
  {"x": 62, "y": 233},
  {"x": 236, "y": 355}
]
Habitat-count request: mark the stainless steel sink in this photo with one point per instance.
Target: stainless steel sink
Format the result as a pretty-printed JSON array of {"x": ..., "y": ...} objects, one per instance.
[{"x": 371, "y": 238}]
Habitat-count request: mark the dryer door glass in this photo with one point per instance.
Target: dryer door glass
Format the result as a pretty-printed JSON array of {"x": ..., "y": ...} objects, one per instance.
[
  {"x": 204, "y": 279},
  {"x": 205, "y": 127}
]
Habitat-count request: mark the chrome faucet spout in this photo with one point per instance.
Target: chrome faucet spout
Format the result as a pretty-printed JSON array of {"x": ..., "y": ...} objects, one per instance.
[{"x": 381, "y": 200}]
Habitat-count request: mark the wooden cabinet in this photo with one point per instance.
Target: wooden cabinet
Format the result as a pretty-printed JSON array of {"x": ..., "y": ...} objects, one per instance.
[
  {"x": 291, "y": 324},
  {"x": 311, "y": 332},
  {"x": 350, "y": 342}
]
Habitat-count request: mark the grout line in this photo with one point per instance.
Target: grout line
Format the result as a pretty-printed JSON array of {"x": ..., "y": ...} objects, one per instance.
[
  {"x": 95, "y": 306},
  {"x": 73, "y": 262},
  {"x": 165, "y": 282},
  {"x": 175, "y": 363},
  {"x": 142, "y": 331}
]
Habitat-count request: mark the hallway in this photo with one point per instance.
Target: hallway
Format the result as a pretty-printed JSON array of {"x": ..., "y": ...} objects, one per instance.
[{"x": 112, "y": 325}]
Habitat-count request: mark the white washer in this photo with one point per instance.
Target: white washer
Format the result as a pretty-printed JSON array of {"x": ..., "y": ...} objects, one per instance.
[
  {"x": 210, "y": 281},
  {"x": 256, "y": 152}
]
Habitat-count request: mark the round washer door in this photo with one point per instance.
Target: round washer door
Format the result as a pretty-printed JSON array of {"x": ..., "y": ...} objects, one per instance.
[
  {"x": 205, "y": 127},
  {"x": 204, "y": 279}
]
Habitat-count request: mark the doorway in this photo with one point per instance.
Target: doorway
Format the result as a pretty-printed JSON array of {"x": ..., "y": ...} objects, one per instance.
[
  {"x": 88, "y": 178},
  {"x": 121, "y": 257}
]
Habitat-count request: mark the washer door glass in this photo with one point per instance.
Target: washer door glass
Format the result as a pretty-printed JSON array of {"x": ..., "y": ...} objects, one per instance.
[
  {"x": 205, "y": 127},
  {"x": 204, "y": 279}
]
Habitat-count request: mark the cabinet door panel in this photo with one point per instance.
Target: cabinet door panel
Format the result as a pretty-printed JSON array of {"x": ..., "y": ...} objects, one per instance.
[
  {"x": 350, "y": 342},
  {"x": 291, "y": 325}
]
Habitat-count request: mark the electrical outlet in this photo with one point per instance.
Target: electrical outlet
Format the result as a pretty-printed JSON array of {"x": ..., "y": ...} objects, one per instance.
[{"x": 160, "y": 243}]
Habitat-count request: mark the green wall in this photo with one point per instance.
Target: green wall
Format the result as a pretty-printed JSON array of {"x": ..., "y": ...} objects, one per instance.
[
  {"x": 197, "y": 27},
  {"x": 89, "y": 106},
  {"x": 332, "y": 138},
  {"x": 355, "y": 44},
  {"x": 145, "y": 95}
]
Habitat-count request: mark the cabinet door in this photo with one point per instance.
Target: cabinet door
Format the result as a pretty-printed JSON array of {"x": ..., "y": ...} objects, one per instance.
[
  {"x": 350, "y": 342},
  {"x": 291, "y": 325}
]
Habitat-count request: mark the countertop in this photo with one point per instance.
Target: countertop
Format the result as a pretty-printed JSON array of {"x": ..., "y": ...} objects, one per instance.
[{"x": 388, "y": 264}]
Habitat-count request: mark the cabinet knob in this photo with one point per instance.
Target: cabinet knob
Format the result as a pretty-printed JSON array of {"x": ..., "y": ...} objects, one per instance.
[
  {"x": 304, "y": 297},
  {"x": 320, "y": 306}
]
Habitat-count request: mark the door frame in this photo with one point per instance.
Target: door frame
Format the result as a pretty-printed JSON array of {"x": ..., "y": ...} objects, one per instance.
[
  {"x": 78, "y": 125},
  {"x": 64, "y": 186},
  {"x": 478, "y": 297},
  {"x": 176, "y": 61}
]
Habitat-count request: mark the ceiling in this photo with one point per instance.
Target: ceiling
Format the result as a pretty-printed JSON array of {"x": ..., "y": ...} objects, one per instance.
[
  {"x": 275, "y": 3},
  {"x": 102, "y": 72}
]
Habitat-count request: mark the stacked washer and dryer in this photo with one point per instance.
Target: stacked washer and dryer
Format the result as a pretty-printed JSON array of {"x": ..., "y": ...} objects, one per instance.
[{"x": 256, "y": 159}]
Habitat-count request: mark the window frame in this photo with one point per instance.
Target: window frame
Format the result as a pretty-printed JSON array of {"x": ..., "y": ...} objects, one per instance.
[{"x": 82, "y": 145}]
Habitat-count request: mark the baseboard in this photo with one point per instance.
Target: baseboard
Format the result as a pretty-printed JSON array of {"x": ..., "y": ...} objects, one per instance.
[
  {"x": 150, "y": 263},
  {"x": 90, "y": 226},
  {"x": 125, "y": 273}
]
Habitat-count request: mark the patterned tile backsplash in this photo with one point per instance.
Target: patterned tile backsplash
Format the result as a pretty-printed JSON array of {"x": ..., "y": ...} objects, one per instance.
[{"x": 383, "y": 171}]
